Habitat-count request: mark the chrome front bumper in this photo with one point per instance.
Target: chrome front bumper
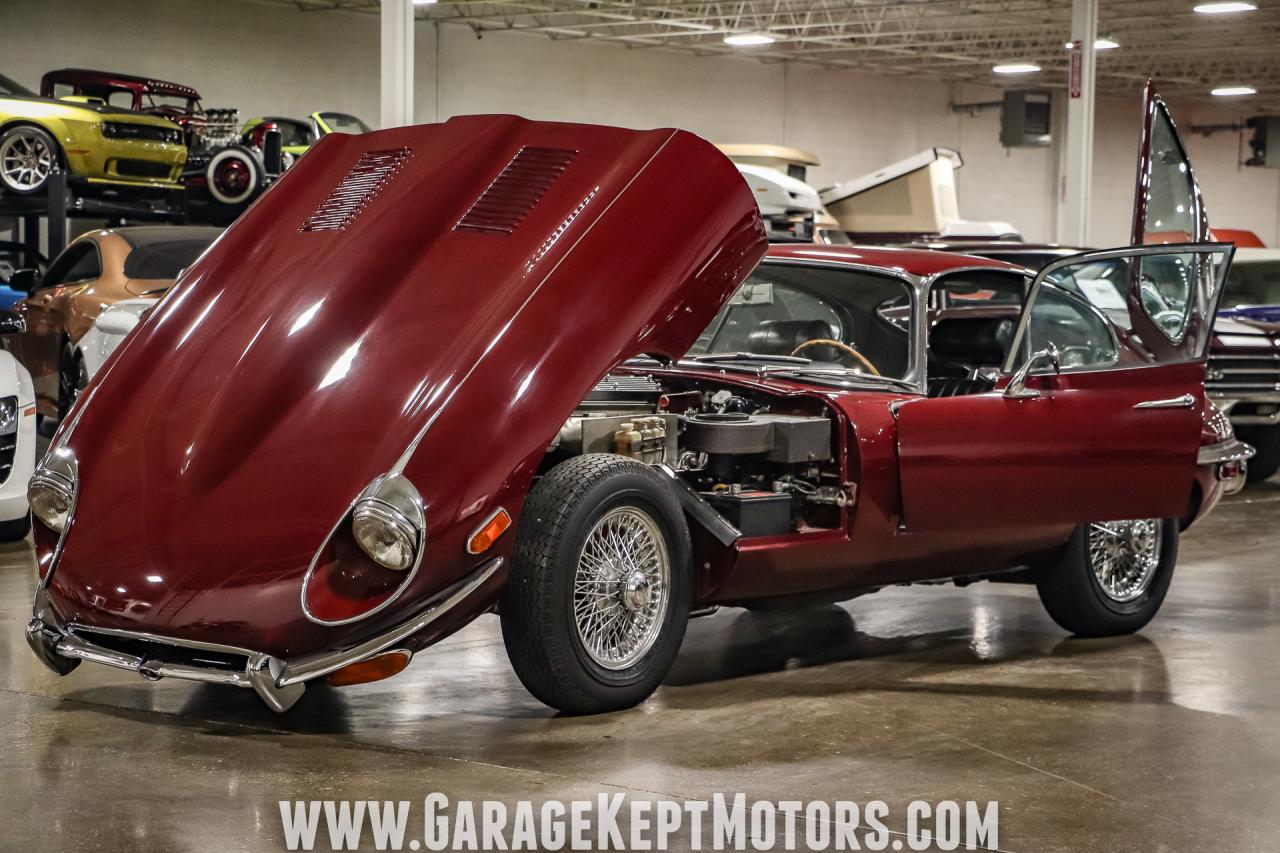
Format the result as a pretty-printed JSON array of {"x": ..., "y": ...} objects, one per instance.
[
  {"x": 1230, "y": 460},
  {"x": 278, "y": 682}
]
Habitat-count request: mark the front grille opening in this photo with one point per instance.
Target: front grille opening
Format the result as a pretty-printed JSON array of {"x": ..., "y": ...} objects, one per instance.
[
  {"x": 147, "y": 650},
  {"x": 142, "y": 169},
  {"x": 1244, "y": 372},
  {"x": 150, "y": 133}
]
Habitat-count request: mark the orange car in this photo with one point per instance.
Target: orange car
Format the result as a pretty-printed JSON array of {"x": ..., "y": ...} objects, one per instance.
[{"x": 98, "y": 269}]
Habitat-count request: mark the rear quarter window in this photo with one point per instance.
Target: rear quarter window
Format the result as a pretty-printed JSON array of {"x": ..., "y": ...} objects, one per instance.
[{"x": 163, "y": 260}]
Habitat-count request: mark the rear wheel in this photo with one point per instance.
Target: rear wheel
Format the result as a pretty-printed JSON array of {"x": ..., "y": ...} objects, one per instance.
[
  {"x": 595, "y": 606},
  {"x": 1265, "y": 440},
  {"x": 28, "y": 155},
  {"x": 1111, "y": 577}
]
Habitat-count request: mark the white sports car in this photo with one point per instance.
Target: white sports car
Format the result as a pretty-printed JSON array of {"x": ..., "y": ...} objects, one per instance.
[
  {"x": 17, "y": 437},
  {"x": 106, "y": 333}
]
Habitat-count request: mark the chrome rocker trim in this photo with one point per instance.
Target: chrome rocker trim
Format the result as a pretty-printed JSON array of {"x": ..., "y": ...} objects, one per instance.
[{"x": 279, "y": 683}]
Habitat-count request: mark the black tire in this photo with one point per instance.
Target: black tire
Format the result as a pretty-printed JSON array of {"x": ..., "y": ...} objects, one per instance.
[
  {"x": 16, "y": 141},
  {"x": 543, "y": 641},
  {"x": 1074, "y": 596},
  {"x": 1265, "y": 440},
  {"x": 73, "y": 376},
  {"x": 13, "y": 531}
]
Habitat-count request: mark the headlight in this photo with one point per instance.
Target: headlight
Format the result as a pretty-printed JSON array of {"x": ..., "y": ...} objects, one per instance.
[
  {"x": 8, "y": 415},
  {"x": 388, "y": 522},
  {"x": 52, "y": 489}
]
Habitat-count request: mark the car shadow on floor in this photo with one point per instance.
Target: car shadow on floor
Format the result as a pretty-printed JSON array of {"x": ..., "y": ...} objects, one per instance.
[{"x": 749, "y": 644}]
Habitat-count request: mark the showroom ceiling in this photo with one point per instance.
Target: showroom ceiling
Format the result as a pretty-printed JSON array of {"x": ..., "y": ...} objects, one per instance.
[{"x": 1189, "y": 52}]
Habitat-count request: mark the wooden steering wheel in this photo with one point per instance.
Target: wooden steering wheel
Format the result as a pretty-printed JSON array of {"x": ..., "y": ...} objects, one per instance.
[{"x": 844, "y": 348}]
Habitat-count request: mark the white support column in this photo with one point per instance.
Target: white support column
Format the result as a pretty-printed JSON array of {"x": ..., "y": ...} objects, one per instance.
[
  {"x": 1073, "y": 226},
  {"x": 397, "y": 63}
]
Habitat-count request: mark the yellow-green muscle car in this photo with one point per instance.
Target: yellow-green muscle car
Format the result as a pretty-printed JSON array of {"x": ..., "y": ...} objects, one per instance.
[{"x": 96, "y": 144}]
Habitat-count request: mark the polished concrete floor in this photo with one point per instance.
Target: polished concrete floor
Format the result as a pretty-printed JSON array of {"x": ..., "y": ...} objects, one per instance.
[{"x": 1164, "y": 741}]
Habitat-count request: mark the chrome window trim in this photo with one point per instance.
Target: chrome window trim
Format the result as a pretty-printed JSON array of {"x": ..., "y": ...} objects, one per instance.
[{"x": 1227, "y": 249}]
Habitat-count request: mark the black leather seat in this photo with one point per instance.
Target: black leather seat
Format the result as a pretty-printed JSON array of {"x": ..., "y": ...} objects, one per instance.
[
  {"x": 958, "y": 346},
  {"x": 972, "y": 341},
  {"x": 781, "y": 337}
]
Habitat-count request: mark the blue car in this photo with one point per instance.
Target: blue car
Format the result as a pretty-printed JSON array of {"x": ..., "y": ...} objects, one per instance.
[{"x": 16, "y": 256}]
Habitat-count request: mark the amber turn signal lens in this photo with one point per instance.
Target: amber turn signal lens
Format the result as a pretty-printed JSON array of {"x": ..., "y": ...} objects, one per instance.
[
  {"x": 489, "y": 532},
  {"x": 373, "y": 669}
]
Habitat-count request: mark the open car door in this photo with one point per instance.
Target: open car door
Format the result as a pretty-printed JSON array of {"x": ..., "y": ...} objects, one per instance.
[{"x": 1098, "y": 412}]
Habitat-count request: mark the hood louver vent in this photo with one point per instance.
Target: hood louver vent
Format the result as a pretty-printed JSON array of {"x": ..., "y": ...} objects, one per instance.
[
  {"x": 515, "y": 191},
  {"x": 371, "y": 173}
]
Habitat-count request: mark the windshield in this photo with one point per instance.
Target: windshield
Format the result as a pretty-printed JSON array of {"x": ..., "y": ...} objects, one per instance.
[
  {"x": 343, "y": 123},
  {"x": 179, "y": 103},
  {"x": 1255, "y": 283},
  {"x": 11, "y": 87},
  {"x": 818, "y": 319}
]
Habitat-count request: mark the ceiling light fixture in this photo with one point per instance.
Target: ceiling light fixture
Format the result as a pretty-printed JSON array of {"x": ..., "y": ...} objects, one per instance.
[
  {"x": 749, "y": 39},
  {"x": 424, "y": 2},
  {"x": 1100, "y": 43},
  {"x": 1016, "y": 68},
  {"x": 1228, "y": 91},
  {"x": 1221, "y": 8}
]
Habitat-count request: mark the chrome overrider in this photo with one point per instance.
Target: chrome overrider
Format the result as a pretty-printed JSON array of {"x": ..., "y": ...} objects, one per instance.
[
  {"x": 279, "y": 683},
  {"x": 1230, "y": 460}
]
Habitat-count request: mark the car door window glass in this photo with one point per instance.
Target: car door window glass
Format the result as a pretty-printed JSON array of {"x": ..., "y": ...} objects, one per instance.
[
  {"x": 1164, "y": 314},
  {"x": 1171, "y": 207},
  {"x": 1081, "y": 334},
  {"x": 78, "y": 263}
]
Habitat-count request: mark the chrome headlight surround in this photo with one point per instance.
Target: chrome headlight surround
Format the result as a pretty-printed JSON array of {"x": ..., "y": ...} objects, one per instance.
[
  {"x": 389, "y": 522},
  {"x": 389, "y": 510},
  {"x": 53, "y": 488}
]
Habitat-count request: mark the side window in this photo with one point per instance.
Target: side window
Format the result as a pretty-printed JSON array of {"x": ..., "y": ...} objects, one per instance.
[
  {"x": 122, "y": 98},
  {"x": 1082, "y": 335},
  {"x": 78, "y": 263}
]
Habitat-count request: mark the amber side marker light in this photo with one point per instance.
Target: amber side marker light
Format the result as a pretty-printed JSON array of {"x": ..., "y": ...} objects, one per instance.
[
  {"x": 374, "y": 669},
  {"x": 488, "y": 533}
]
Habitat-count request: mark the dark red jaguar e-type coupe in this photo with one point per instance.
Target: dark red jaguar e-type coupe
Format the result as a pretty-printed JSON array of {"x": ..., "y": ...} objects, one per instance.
[{"x": 495, "y": 363}]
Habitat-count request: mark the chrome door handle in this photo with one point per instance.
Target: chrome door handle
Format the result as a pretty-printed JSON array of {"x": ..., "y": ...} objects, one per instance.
[{"x": 1186, "y": 401}]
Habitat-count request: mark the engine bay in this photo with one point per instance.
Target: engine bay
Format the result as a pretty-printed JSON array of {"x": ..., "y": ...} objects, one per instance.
[{"x": 767, "y": 465}]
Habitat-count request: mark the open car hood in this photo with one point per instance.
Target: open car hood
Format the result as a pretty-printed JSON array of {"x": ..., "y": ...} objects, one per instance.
[{"x": 432, "y": 299}]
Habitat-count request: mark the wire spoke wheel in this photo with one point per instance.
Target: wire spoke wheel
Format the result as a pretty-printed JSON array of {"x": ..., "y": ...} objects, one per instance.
[
  {"x": 1124, "y": 556},
  {"x": 26, "y": 160},
  {"x": 621, "y": 587}
]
